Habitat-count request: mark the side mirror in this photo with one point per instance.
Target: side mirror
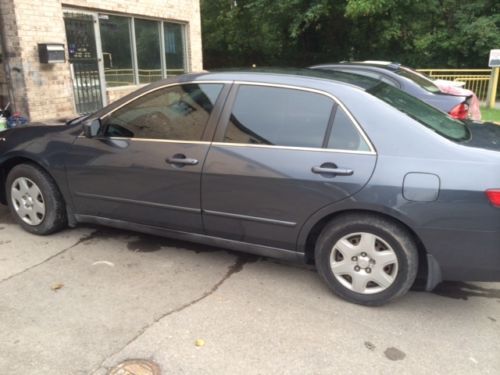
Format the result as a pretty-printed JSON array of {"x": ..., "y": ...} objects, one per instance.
[{"x": 91, "y": 128}]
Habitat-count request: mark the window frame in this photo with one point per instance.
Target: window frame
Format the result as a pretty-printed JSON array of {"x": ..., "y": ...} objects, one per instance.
[
  {"x": 210, "y": 126},
  {"x": 230, "y": 103}
]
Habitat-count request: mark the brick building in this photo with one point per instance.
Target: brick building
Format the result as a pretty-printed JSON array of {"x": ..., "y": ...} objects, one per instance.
[{"x": 111, "y": 47}]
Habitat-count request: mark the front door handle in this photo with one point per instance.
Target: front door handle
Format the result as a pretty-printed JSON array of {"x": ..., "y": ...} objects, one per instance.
[
  {"x": 331, "y": 170},
  {"x": 179, "y": 160}
]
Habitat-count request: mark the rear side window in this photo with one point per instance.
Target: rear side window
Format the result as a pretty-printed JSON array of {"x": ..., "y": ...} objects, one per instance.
[
  {"x": 279, "y": 116},
  {"x": 344, "y": 135},
  {"x": 172, "y": 113}
]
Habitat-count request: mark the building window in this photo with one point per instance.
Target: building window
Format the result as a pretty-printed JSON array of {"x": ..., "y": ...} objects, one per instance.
[
  {"x": 116, "y": 50},
  {"x": 174, "y": 48},
  {"x": 133, "y": 53},
  {"x": 147, "y": 40}
]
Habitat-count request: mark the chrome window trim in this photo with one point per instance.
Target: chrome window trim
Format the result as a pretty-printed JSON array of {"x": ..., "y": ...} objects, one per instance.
[
  {"x": 297, "y": 148},
  {"x": 339, "y": 103}
]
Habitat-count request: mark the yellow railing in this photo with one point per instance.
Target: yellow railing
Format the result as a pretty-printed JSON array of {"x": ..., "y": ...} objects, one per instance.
[{"x": 475, "y": 79}]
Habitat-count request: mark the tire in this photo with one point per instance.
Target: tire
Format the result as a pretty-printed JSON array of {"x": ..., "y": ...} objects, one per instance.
[
  {"x": 34, "y": 200},
  {"x": 366, "y": 259}
]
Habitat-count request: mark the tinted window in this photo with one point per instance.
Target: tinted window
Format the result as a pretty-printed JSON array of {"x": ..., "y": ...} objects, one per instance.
[
  {"x": 370, "y": 74},
  {"x": 419, "y": 79},
  {"x": 177, "y": 113},
  {"x": 279, "y": 116},
  {"x": 344, "y": 135},
  {"x": 427, "y": 115}
]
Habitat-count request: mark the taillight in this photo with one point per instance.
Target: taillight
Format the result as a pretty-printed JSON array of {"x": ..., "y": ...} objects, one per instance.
[
  {"x": 460, "y": 112},
  {"x": 494, "y": 196}
]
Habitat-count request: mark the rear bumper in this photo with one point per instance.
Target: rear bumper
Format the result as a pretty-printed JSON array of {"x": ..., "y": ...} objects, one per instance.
[{"x": 462, "y": 255}]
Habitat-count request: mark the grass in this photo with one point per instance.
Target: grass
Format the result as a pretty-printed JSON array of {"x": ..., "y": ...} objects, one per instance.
[{"x": 488, "y": 114}]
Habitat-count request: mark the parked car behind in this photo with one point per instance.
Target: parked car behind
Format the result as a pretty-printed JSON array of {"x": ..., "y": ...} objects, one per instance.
[
  {"x": 371, "y": 184},
  {"x": 409, "y": 81}
]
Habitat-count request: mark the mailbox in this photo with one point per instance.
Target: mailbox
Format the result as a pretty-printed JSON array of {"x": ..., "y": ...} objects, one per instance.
[{"x": 50, "y": 53}]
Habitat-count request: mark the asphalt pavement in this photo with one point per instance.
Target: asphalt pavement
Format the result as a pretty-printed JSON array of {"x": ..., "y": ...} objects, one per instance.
[{"x": 84, "y": 300}]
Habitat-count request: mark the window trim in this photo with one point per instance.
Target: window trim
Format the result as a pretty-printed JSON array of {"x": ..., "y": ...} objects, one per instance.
[{"x": 224, "y": 120}]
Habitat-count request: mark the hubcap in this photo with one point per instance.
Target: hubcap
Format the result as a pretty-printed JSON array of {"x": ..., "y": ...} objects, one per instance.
[
  {"x": 364, "y": 263},
  {"x": 27, "y": 200}
]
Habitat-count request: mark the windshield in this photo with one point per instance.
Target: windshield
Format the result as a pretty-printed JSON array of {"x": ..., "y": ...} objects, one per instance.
[
  {"x": 428, "y": 116},
  {"x": 419, "y": 79}
]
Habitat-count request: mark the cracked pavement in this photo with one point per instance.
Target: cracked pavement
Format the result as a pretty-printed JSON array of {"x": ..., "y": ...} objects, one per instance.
[{"x": 82, "y": 301}]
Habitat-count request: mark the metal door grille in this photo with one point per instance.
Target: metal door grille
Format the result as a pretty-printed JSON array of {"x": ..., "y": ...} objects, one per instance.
[{"x": 82, "y": 53}]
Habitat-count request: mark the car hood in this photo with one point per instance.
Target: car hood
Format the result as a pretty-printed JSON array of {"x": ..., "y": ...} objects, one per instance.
[{"x": 483, "y": 135}]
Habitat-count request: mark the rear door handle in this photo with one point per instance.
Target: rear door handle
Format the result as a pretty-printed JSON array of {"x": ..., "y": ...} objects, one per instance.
[
  {"x": 180, "y": 160},
  {"x": 330, "y": 169}
]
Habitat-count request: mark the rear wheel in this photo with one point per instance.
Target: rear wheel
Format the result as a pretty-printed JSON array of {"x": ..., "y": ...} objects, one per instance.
[
  {"x": 366, "y": 259},
  {"x": 34, "y": 200}
]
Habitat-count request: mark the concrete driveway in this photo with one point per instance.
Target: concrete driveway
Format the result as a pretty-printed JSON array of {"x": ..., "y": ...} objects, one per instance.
[{"x": 84, "y": 300}]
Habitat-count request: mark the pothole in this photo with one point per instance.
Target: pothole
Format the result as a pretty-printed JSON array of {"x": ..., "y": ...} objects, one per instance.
[{"x": 136, "y": 367}]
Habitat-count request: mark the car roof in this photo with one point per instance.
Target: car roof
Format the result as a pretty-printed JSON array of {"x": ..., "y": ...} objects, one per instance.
[{"x": 286, "y": 75}]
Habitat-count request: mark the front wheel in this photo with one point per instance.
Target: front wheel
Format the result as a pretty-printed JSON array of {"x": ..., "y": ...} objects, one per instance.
[
  {"x": 366, "y": 259},
  {"x": 34, "y": 200}
]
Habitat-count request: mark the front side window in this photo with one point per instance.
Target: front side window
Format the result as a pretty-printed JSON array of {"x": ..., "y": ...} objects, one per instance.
[
  {"x": 116, "y": 51},
  {"x": 422, "y": 112},
  {"x": 279, "y": 116},
  {"x": 173, "y": 113}
]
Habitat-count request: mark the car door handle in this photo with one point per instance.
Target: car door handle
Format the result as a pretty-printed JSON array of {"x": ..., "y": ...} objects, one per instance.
[
  {"x": 332, "y": 170},
  {"x": 180, "y": 160}
]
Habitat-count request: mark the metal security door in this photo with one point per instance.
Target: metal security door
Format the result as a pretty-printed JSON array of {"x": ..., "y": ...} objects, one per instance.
[{"x": 84, "y": 61}]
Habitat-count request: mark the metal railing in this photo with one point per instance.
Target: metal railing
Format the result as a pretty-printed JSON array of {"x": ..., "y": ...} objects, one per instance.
[
  {"x": 123, "y": 77},
  {"x": 474, "y": 79}
]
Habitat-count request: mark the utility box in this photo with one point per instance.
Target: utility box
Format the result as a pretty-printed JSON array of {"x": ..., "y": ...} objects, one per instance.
[{"x": 51, "y": 53}]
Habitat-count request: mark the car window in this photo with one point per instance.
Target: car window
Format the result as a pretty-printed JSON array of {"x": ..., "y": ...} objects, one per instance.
[
  {"x": 279, "y": 116},
  {"x": 344, "y": 135},
  {"x": 373, "y": 75},
  {"x": 175, "y": 113},
  {"x": 422, "y": 112},
  {"x": 419, "y": 79}
]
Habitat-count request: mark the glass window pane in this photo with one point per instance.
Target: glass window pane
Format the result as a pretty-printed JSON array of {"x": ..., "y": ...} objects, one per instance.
[
  {"x": 147, "y": 37},
  {"x": 344, "y": 135},
  {"x": 115, "y": 39},
  {"x": 425, "y": 114},
  {"x": 276, "y": 116},
  {"x": 174, "y": 113},
  {"x": 174, "y": 49}
]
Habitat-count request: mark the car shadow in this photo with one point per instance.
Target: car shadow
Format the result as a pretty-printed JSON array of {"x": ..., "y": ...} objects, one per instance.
[{"x": 462, "y": 290}]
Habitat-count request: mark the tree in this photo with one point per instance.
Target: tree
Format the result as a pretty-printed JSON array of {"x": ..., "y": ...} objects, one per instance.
[{"x": 431, "y": 33}]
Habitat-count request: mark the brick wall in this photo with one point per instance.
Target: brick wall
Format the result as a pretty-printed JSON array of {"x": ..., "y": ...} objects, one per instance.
[{"x": 43, "y": 91}]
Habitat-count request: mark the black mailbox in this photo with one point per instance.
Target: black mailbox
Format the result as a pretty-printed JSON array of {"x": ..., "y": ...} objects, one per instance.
[{"x": 50, "y": 53}]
